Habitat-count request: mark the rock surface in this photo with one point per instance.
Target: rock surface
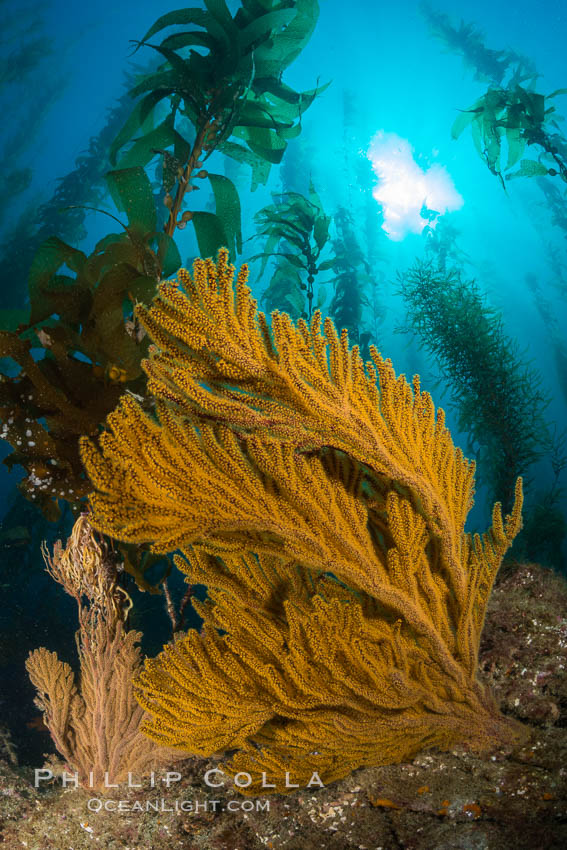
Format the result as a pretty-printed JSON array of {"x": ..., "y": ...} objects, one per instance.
[{"x": 513, "y": 800}]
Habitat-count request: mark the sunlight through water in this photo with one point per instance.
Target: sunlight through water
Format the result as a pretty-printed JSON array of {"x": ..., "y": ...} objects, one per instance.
[{"x": 406, "y": 191}]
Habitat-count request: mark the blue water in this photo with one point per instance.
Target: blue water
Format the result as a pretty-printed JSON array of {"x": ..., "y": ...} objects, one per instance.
[{"x": 396, "y": 79}]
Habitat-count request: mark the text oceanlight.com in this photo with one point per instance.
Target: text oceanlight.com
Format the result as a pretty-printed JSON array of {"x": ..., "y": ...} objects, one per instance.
[{"x": 97, "y": 804}]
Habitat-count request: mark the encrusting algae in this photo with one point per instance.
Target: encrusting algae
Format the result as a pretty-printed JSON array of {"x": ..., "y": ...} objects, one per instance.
[{"x": 326, "y": 518}]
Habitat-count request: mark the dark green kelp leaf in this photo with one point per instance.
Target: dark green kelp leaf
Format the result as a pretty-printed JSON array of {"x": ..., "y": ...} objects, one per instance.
[
  {"x": 132, "y": 192},
  {"x": 210, "y": 233},
  {"x": 327, "y": 264},
  {"x": 321, "y": 230},
  {"x": 529, "y": 168},
  {"x": 168, "y": 254},
  {"x": 516, "y": 145},
  {"x": 260, "y": 167},
  {"x": 11, "y": 319},
  {"x": 178, "y": 18},
  {"x": 261, "y": 27},
  {"x": 136, "y": 121},
  {"x": 143, "y": 150},
  {"x": 266, "y": 145},
  {"x": 228, "y": 210},
  {"x": 465, "y": 117},
  {"x": 50, "y": 256},
  {"x": 282, "y": 48},
  {"x": 193, "y": 38}
]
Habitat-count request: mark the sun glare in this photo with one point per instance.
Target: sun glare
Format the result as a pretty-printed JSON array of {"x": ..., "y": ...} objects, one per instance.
[{"x": 405, "y": 189}]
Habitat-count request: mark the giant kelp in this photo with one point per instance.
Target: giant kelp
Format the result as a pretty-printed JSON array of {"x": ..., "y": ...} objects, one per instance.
[
  {"x": 511, "y": 115},
  {"x": 442, "y": 247},
  {"x": 67, "y": 364},
  {"x": 553, "y": 325},
  {"x": 351, "y": 277},
  {"x": 521, "y": 118},
  {"x": 557, "y": 204},
  {"x": 63, "y": 214},
  {"x": 489, "y": 65},
  {"x": 497, "y": 396},
  {"x": 222, "y": 78},
  {"x": 26, "y": 56},
  {"x": 78, "y": 349},
  {"x": 295, "y": 230},
  {"x": 360, "y": 244},
  {"x": 326, "y": 518}
]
